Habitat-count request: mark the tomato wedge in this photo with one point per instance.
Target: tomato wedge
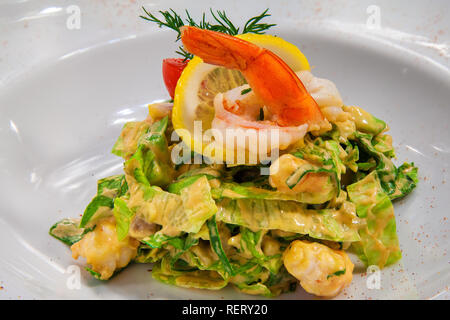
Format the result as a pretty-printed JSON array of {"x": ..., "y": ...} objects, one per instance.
[{"x": 172, "y": 69}]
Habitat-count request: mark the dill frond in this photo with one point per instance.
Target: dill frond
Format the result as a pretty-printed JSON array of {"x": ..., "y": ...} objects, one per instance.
[{"x": 221, "y": 23}]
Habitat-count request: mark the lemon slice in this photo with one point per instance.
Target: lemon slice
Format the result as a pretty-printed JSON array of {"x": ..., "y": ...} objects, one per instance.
[
  {"x": 288, "y": 52},
  {"x": 200, "y": 82}
]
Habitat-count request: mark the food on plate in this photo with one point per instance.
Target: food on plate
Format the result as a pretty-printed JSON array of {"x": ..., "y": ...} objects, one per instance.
[{"x": 306, "y": 180}]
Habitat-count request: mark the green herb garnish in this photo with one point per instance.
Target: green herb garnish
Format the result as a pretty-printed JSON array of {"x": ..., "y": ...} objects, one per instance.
[
  {"x": 337, "y": 273},
  {"x": 95, "y": 274},
  {"x": 221, "y": 23},
  {"x": 216, "y": 245},
  {"x": 245, "y": 91}
]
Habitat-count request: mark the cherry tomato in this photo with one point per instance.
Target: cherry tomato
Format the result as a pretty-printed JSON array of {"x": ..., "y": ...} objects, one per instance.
[{"x": 172, "y": 69}]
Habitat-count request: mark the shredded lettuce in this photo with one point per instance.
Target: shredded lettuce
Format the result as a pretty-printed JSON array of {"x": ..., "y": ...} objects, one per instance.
[
  {"x": 128, "y": 141},
  {"x": 148, "y": 169},
  {"x": 123, "y": 217},
  {"x": 200, "y": 279},
  {"x": 102, "y": 204},
  {"x": 147, "y": 254},
  {"x": 176, "y": 245},
  {"x": 406, "y": 179},
  {"x": 151, "y": 164},
  {"x": 290, "y": 216},
  {"x": 351, "y": 156},
  {"x": 251, "y": 190},
  {"x": 327, "y": 153},
  {"x": 251, "y": 242},
  {"x": 189, "y": 177},
  {"x": 68, "y": 231},
  {"x": 379, "y": 243},
  {"x": 186, "y": 212},
  {"x": 93, "y": 273},
  {"x": 216, "y": 244},
  {"x": 254, "y": 279},
  {"x": 364, "y": 121},
  {"x": 395, "y": 182},
  {"x": 198, "y": 204},
  {"x": 180, "y": 184},
  {"x": 234, "y": 190},
  {"x": 158, "y": 240},
  {"x": 383, "y": 143}
]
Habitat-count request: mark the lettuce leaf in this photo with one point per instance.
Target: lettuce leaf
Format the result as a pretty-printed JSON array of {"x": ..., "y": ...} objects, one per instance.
[
  {"x": 250, "y": 190},
  {"x": 365, "y": 121},
  {"x": 147, "y": 169},
  {"x": 352, "y": 156},
  {"x": 180, "y": 184},
  {"x": 128, "y": 141},
  {"x": 327, "y": 224},
  {"x": 198, "y": 203},
  {"x": 158, "y": 240},
  {"x": 251, "y": 243},
  {"x": 178, "y": 245},
  {"x": 216, "y": 244},
  {"x": 151, "y": 164},
  {"x": 165, "y": 272},
  {"x": 395, "y": 182},
  {"x": 123, "y": 217},
  {"x": 189, "y": 177},
  {"x": 234, "y": 190},
  {"x": 383, "y": 143},
  {"x": 107, "y": 190},
  {"x": 255, "y": 289},
  {"x": 379, "y": 243},
  {"x": 146, "y": 254},
  {"x": 68, "y": 231},
  {"x": 406, "y": 179},
  {"x": 254, "y": 279},
  {"x": 327, "y": 153},
  {"x": 186, "y": 212}
]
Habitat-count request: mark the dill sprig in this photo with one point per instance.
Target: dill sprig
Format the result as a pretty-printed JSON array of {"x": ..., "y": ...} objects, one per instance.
[
  {"x": 225, "y": 25},
  {"x": 253, "y": 25},
  {"x": 221, "y": 23},
  {"x": 172, "y": 20}
]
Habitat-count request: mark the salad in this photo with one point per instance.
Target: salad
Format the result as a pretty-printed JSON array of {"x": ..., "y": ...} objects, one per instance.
[{"x": 304, "y": 180}]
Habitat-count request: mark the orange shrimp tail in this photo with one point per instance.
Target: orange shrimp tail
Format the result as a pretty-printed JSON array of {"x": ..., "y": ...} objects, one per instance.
[
  {"x": 278, "y": 86},
  {"x": 218, "y": 48}
]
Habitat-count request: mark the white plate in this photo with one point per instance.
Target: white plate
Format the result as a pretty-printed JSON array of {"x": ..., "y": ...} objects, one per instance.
[{"x": 65, "y": 94}]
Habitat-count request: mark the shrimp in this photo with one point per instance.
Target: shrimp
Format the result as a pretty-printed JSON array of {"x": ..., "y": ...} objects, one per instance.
[
  {"x": 240, "y": 123},
  {"x": 323, "y": 91},
  {"x": 271, "y": 79},
  {"x": 103, "y": 251},
  {"x": 330, "y": 102},
  {"x": 321, "y": 270},
  {"x": 286, "y": 165}
]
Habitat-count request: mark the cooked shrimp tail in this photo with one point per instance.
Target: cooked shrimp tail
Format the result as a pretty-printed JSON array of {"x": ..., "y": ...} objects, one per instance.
[{"x": 272, "y": 80}]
